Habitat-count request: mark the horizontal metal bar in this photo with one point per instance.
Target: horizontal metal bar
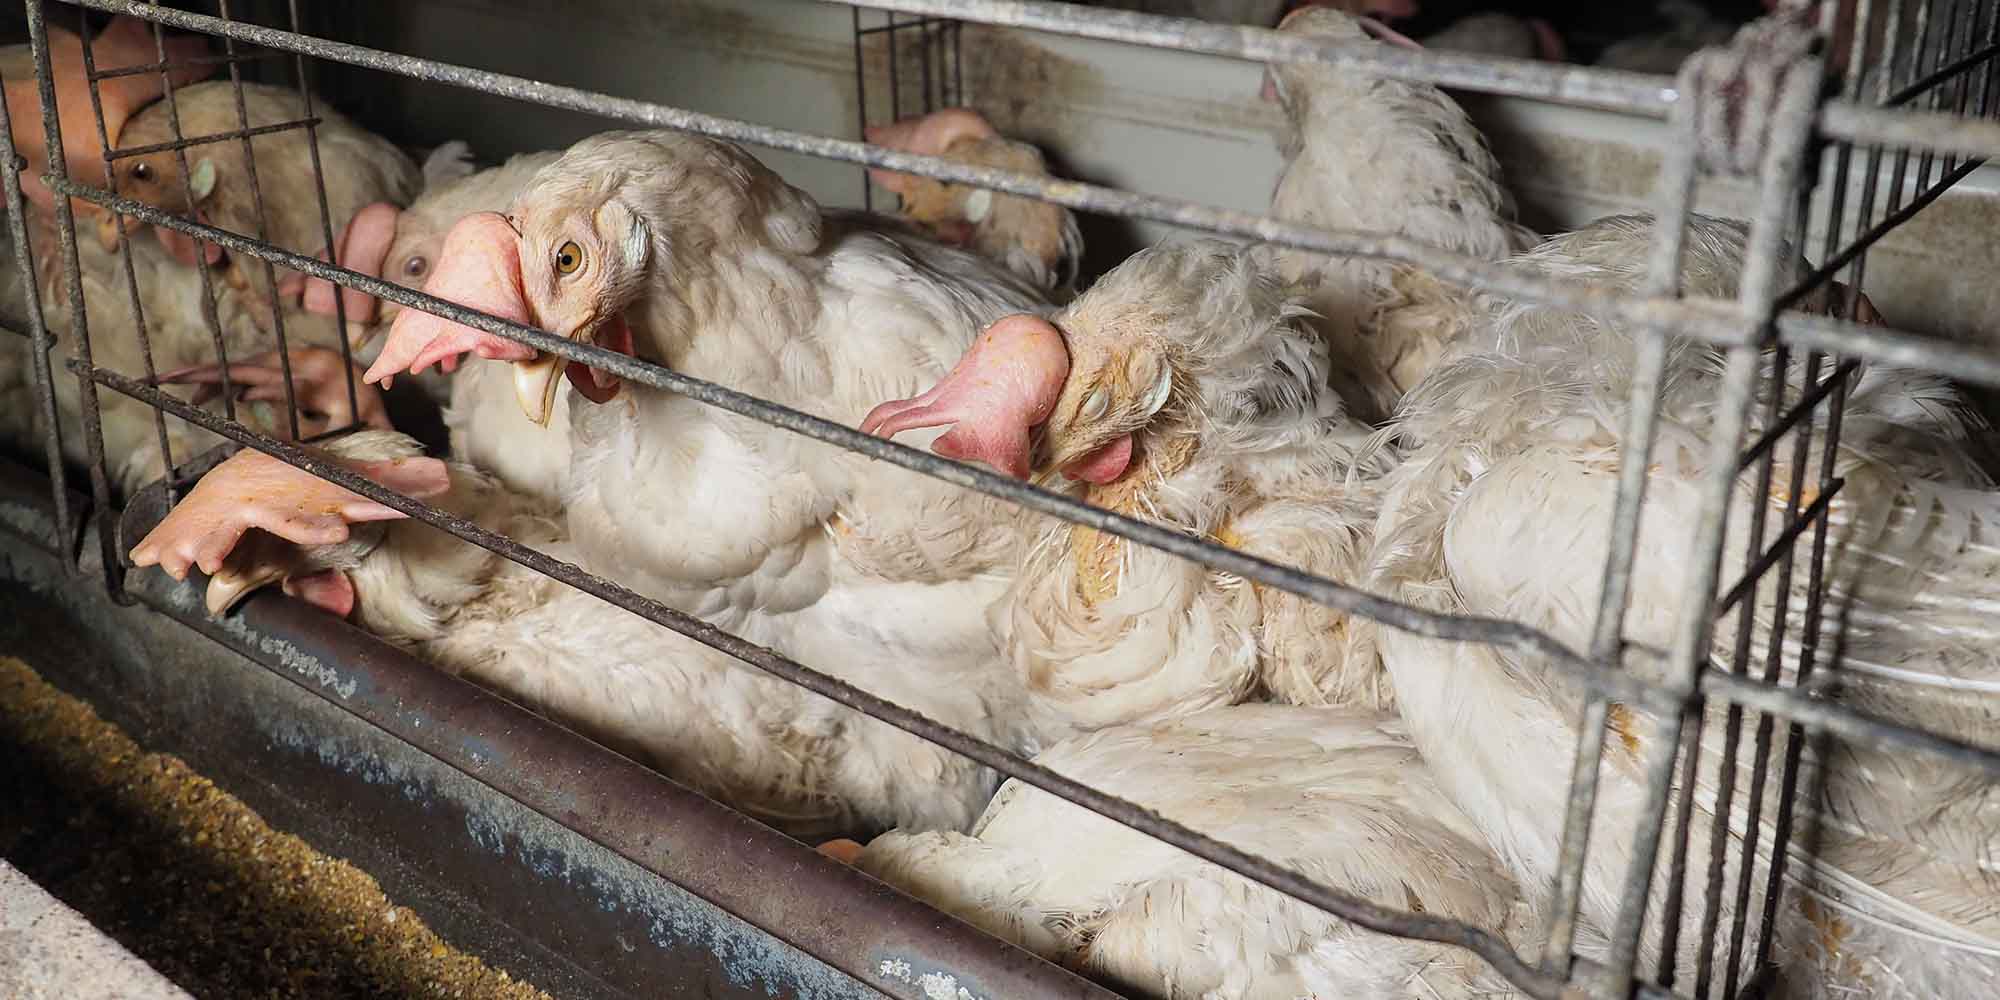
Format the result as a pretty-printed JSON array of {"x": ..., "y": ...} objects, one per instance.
[
  {"x": 1612, "y": 683},
  {"x": 895, "y": 26},
  {"x": 1480, "y": 941},
  {"x": 1712, "y": 321},
  {"x": 156, "y": 67},
  {"x": 1635, "y": 93},
  {"x": 214, "y": 137},
  {"x": 1778, "y": 547},
  {"x": 1940, "y": 75},
  {"x": 1312, "y": 588},
  {"x": 1832, "y": 265},
  {"x": 1798, "y": 412},
  {"x": 1907, "y": 128},
  {"x": 1715, "y": 322},
  {"x": 1639, "y": 93},
  {"x": 1839, "y": 720},
  {"x": 1962, "y": 362}
]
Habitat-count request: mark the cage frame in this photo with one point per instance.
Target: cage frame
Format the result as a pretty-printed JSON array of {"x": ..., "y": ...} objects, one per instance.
[{"x": 1801, "y": 120}]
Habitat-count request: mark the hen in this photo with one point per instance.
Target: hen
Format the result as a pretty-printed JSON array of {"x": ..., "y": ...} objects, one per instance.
[
  {"x": 1185, "y": 389},
  {"x": 1503, "y": 509},
  {"x": 688, "y": 253},
  {"x": 124, "y": 42},
  {"x": 1368, "y": 153},
  {"x": 178, "y": 335},
  {"x": 796, "y": 760},
  {"x": 1036, "y": 240},
  {"x": 1342, "y": 798},
  {"x": 358, "y": 166},
  {"x": 488, "y": 429}
]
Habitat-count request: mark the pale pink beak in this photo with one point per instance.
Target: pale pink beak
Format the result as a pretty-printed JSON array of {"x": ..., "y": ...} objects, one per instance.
[{"x": 362, "y": 245}]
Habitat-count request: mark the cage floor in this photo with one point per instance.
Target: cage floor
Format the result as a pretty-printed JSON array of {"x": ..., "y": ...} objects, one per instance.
[{"x": 184, "y": 874}]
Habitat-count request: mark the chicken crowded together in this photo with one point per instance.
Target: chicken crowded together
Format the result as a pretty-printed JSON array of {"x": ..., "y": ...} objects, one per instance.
[{"x": 1360, "y": 420}]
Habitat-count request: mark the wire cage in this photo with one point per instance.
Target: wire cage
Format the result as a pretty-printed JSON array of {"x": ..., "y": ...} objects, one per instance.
[
  {"x": 1909, "y": 112},
  {"x": 894, "y": 42}
]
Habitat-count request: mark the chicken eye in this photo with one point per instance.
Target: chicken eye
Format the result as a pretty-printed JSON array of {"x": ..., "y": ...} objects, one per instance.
[
  {"x": 142, "y": 171},
  {"x": 415, "y": 267},
  {"x": 569, "y": 257},
  {"x": 1094, "y": 404}
]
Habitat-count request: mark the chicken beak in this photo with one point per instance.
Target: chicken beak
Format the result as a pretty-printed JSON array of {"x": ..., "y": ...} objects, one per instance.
[
  {"x": 359, "y": 334},
  {"x": 251, "y": 567},
  {"x": 107, "y": 231},
  {"x": 535, "y": 385}
]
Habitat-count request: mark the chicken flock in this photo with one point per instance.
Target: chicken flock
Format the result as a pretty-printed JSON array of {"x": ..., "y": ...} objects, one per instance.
[{"x": 1362, "y": 421}]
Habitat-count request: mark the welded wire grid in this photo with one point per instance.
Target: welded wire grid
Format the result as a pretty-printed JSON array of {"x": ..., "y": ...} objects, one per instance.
[
  {"x": 1936, "y": 57},
  {"x": 932, "y": 43}
]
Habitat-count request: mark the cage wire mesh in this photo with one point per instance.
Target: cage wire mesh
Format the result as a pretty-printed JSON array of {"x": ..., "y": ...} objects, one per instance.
[
  {"x": 1911, "y": 116},
  {"x": 923, "y": 61}
]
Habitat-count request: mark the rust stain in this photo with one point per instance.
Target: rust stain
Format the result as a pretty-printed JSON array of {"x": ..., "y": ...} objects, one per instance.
[
  {"x": 1832, "y": 932},
  {"x": 1625, "y": 726},
  {"x": 1022, "y": 88}
]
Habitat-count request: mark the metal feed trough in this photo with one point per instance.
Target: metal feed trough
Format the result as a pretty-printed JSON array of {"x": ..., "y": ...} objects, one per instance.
[{"x": 591, "y": 875}]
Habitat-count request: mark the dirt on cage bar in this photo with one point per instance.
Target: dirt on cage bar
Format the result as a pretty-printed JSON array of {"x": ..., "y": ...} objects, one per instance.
[{"x": 192, "y": 880}]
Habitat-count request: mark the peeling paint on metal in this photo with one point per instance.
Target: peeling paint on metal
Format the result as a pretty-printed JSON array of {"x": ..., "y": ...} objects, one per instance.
[{"x": 937, "y": 984}]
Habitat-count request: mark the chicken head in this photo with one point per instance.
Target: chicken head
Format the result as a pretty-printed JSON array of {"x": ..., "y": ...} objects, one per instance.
[
  {"x": 941, "y": 207},
  {"x": 1330, "y": 23},
  {"x": 1021, "y": 374},
  {"x": 364, "y": 244},
  {"x": 240, "y": 521},
  {"x": 1184, "y": 345},
  {"x": 157, "y": 180},
  {"x": 569, "y": 272},
  {"x": 126, "y": 41},
  {"x": 385, "y": 241}
]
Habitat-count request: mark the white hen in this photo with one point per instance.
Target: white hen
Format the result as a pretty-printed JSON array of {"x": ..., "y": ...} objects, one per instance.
[
  {"x": 1383, "y": 156},
  {"x": 1504, "y": 509},
  {"x": 689, "y": 253},
  {"x": 765, "y": 746},
  {"x": 1341, "y": 797},
  {"x": 488, "y": 429},
  {"x": 178, "y": 336},
  {"x": 1184, "y": 389}
]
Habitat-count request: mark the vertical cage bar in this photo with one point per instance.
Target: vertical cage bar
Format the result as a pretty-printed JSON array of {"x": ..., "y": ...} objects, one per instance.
[
  {"x": 924, "y": 60},
  {"x": 1937, "y": 38},
  {"x": 263, "y": 236},
  {"x": 325, "y": 225},
  {"x": 138, "y": 308},
  {"x": 1739, "y": 663},
  {"x": 208, "y": 293},
  {"x": 93, "y": 427},
  {"x": 1677, "y": 176},
  {"x": 41, "y": 342},
  {"x": 861, "y": 104},
  {"x": 1789, "y": 127},
  {"x": 895, "y": 79}
]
